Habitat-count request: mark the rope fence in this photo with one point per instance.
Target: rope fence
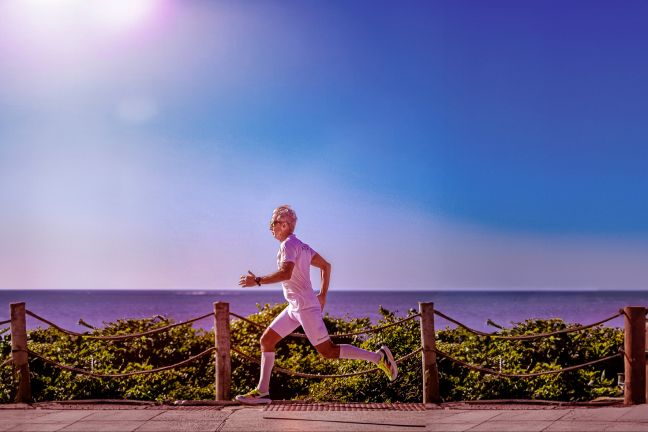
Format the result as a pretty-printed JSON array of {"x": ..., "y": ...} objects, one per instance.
[
  {"x": 527, "y": 337},
  {"x": 633, "y": 353},
  {"x": 121, "y": 375},
  {"x": 525, "y": 375},
  {"x": 117, "y": 337},
  {"x": 5, "y": 322}
]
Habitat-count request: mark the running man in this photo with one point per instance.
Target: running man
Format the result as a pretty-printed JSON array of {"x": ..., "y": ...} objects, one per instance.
[{"x": 304, "y": 307}]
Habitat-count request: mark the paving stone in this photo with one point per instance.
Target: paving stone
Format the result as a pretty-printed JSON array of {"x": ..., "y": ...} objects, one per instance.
[
  {"x": 513, "y": 426},
  {"x": 604, "y": 414},
  {"x": 123, "y": 415},
  {"x": 193, "y": 415},
  {"x": 103, "y": 426},
  {"x": 179, "y": 426},
  {"x": 19, "y": 415},
  {"x": 62, "y": 416},
  {"x": 441, "y": 414},
  {"x": 638, "y": 413},
  {"x": 247, "y": 420},
  {"x": 469, "y": 416},
  {"x": 578, "y": 426},
  {"x": 627, "y": 426},
  {"x": 542, "y": 415},
  {"x": 238, "y": 418},
  {"x": 38, "y": 427},
  {"x": 447, "y": 427}
]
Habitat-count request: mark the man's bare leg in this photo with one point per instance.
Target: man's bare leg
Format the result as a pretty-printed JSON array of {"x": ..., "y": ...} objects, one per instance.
[
  {"x": 332, "y": 351},
  {"x": 382, "y": 358}
]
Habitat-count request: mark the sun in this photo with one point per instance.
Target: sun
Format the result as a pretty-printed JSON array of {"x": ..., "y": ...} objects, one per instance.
[
  {"x": 121, "y": 14},
  {"x": 107, "y": 14}
]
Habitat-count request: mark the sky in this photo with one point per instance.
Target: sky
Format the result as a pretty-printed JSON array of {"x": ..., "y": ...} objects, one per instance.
[{"x": 424, "y": 144}]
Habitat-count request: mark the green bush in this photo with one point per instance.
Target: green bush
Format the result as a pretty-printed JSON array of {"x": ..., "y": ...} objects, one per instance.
[
  {"x": 196, "y": 380},
  {"x": 543, "y": 354}
]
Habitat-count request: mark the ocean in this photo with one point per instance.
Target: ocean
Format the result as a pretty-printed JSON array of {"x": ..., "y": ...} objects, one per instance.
[{"x": 474, "y": 308}]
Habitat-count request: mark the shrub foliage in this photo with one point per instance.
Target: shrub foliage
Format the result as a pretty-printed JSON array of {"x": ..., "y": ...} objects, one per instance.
[{"x": 196, "y": 380}]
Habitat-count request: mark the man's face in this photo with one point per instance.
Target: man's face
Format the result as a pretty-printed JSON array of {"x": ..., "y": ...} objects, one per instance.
[{"x": 280, "y": 229}]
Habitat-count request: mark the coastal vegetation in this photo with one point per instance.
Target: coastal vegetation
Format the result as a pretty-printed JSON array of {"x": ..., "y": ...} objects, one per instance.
[{"x": 196, "y": 380}]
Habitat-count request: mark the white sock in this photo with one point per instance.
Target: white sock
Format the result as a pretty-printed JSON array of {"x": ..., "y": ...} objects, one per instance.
[
  {"x": 267, "y": 362},
  {"x": 355, "y": 353}
]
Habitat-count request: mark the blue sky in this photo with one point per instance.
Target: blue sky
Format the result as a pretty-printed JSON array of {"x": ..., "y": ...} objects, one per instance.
[{"x": 427, "y": 145}]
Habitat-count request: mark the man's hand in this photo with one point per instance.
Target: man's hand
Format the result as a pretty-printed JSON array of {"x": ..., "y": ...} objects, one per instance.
[
  {"x": 322, "y": 299},
  {"x": 247, "y": 280}
]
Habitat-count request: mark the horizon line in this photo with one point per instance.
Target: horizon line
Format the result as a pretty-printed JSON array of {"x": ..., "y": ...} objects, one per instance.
[{"x": 409, "y": 289}]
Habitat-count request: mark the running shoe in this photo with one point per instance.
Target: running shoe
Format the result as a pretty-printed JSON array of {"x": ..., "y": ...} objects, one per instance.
[
  {"x": 255, "y": 397},
  {"x": 387, "y": 363}
]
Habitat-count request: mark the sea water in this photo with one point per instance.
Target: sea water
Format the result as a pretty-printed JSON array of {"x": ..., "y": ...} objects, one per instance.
[{"x": 474, "y": 308}]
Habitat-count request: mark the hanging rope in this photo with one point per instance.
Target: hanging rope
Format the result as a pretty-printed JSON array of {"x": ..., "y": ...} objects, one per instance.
[
  {"x": 249, "y": 321},
  {"x": 377, "y": 329},
  {"x": 526, "y": 375},
  {"x": 117, "y": 337},
  {"x": 526, "y": 337},
  {"x": 320, "y": 376},
  {"x": 338, "y": 335},
  {"x": 120, "y": 375}
]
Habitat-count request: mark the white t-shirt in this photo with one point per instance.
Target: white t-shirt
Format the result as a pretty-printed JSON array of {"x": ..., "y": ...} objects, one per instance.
[{"x": 298, "y": 290}]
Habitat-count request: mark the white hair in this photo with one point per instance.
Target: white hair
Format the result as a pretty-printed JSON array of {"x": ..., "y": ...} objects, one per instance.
[{"x": 286, "y": 214}]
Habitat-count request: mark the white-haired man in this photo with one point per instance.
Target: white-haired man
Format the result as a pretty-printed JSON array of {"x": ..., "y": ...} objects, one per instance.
[{"x": 304, "y": 306}]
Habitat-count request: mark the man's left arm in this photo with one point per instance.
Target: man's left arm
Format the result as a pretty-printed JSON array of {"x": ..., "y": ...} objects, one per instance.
[{"x": 325, "y": 272}]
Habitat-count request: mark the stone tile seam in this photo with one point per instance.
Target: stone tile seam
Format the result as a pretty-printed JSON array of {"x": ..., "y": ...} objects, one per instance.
[
  {"x": 522, "y": 419},
  {"x": 484, "y": 421},
  {"x": 221, "y": 426},
  {"x": 551, "y": 422},
  {"x": 557, "y": 420},
  {"x": 455, "y": 414},
  {"x": 152, "y": 418},
  {"x": 156, "y": 415},
  {"x": 65, "y": 425},
  {"x": 143, "y": 423}
]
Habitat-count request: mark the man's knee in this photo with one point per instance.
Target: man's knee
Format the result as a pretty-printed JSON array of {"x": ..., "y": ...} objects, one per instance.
[
  {"x": 266, "y": 342},
  {"x": 269, "y": 340},
  {"x": 329, "y": 351}
]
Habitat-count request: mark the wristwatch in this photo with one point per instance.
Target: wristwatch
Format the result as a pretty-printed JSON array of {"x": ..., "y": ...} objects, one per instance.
[{"x": 257, "y": 280}]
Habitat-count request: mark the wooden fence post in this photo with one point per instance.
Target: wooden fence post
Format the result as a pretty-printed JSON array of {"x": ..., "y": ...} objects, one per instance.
[
  {"x": 646, "y": 369},
  {"x": 635, "y": 355},
  {"x": 222, "y": 341},
  {"x": 19, "y": 351},
  {"x": 430, "y": 372}
]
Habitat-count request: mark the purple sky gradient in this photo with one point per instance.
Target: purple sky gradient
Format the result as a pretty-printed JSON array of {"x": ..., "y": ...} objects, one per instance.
[{"x": 426, "y": 145}]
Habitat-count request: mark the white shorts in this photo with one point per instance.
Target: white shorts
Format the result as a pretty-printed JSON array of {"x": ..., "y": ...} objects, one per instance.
[{"x": 310, "y": 319}]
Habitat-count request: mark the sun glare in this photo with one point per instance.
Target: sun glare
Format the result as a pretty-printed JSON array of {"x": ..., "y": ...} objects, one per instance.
[
  {"x": 122, "y": 14},
  {"x": 111, "y": 14}
]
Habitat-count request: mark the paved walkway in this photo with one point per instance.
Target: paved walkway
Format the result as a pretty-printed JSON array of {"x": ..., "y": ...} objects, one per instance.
[{"x": 115, "y": 417}]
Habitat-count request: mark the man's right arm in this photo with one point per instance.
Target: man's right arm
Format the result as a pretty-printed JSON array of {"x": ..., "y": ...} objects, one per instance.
[
  {"x": 284, "y": 273},
  {"x": 325, "y": 272}
]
